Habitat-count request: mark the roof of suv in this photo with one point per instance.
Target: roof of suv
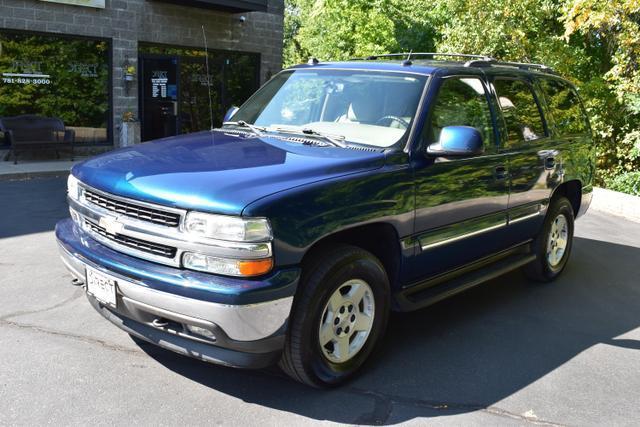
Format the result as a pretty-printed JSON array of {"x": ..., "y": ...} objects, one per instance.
[{"x": 475, "y": 64}]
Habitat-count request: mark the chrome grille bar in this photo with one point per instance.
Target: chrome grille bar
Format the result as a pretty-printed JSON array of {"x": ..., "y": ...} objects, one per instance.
[
  {"x": 132, "y": 210},
  {"x": 141, "y": 245}
]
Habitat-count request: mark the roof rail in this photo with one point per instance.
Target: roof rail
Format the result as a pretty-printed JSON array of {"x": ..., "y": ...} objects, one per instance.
[
  {"x": 473, "y": 60},
  {"x": 410, "y": 55},
  {"x": 521, "y": 65}
]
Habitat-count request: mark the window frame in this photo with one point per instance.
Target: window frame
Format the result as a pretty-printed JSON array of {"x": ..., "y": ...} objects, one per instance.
[{"x": 504, "y": 137}]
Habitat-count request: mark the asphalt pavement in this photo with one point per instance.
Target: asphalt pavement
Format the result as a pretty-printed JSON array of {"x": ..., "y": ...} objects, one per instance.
[{"x": 506, "y": 353}]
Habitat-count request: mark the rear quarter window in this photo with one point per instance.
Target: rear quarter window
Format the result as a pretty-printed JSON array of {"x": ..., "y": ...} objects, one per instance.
[{"x": 564, "y": 105}]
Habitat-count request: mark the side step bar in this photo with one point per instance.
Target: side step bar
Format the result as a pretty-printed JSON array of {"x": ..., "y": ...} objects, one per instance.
[{"x": 434, "y": 289}]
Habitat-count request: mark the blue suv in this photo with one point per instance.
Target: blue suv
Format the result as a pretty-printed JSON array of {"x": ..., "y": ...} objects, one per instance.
[{"x": 337, "y": 193}]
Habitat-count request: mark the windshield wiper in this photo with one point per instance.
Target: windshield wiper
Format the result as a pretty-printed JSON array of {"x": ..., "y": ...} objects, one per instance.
[
  {"x": 335, "y": 140},
  {"x": 257, "y": 130}
]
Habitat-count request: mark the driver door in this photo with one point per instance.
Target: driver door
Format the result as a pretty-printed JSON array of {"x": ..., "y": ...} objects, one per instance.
[{"x": 461, "y": 202}]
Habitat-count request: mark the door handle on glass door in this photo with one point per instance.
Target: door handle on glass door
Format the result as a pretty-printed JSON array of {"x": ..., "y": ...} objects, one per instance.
[{"x": 501, "y": 172}]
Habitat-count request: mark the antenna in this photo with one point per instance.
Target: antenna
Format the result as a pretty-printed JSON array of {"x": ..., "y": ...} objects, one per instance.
[{"x": 206, "y": 61}]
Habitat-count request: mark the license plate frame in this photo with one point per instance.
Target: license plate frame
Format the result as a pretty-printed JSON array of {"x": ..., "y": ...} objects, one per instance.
[{"x": 102, "y": 286}]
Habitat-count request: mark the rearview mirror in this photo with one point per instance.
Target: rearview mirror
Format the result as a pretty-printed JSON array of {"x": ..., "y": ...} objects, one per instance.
[
  {"x": 457, "y": 141},
  {"x": 230, "y": 113}
]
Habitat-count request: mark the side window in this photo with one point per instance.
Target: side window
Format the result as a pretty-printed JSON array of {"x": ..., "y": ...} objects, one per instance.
[
  {"x": 462, "y": 102},
  {"x": 520, "y": 111},
  {"x": 566, "y": 110}
]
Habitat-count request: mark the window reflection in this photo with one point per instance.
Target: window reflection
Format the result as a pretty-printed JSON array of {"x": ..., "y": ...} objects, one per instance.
[
  {"x": 62, "y": 77},
  {"x": 520, "y": 111}
]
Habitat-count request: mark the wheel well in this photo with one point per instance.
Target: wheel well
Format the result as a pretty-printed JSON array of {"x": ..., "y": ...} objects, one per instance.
[
  {"x": 572, "y": 190},
  {"x": 381, "y": 239}
]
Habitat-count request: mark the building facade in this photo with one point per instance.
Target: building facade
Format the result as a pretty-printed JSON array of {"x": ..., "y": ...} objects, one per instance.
[{"x": 98, "y": 63}]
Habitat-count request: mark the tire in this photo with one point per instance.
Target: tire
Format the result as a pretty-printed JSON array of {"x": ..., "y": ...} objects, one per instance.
[
  {"x": 547, "y": 267},
  {"x": 334, "y": 282}
]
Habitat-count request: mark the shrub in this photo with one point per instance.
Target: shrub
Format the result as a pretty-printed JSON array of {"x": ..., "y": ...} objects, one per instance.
[{"x": 628, "y": 182}]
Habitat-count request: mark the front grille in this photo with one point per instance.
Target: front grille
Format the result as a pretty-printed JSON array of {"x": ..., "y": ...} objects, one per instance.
[
  {"x": 133, "y": 210},
  {"x": 131, "y": 242}
]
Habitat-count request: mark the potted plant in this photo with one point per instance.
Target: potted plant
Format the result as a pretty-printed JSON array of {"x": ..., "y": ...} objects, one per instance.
[{"x": 129, "y": 130}]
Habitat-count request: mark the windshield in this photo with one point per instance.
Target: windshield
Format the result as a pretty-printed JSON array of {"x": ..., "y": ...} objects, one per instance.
[{"x": 365, "y": 107}]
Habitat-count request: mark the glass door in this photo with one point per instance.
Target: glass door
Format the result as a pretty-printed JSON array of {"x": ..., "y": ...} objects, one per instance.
[{"x": 159, "y": 104}]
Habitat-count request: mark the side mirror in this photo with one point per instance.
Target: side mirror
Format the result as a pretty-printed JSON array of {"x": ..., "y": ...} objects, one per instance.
[
  {"x": 457, "y": 141},
  {"x": 230, "y": 113}
]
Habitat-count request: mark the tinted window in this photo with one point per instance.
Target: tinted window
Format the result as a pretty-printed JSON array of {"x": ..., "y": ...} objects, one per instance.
[
  {"x": 520, "y": 111},
  {"x": 566, "y": 110},
  {"x": 62, "y": 77},
  {"x": 462, "y": 102}
]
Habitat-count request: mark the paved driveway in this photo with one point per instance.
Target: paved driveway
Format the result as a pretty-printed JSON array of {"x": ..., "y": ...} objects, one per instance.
[{"x": 506, "y": 353}]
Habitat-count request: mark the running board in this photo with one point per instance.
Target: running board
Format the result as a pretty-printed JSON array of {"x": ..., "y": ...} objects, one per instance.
[{"x": 434, "y": 289}]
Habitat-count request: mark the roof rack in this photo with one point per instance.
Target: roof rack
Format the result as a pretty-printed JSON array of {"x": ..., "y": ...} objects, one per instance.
[
  {"x": 520, "y": 65},
  {"x": 472, "y": 60},
  {"x": 410, "y": 55}
]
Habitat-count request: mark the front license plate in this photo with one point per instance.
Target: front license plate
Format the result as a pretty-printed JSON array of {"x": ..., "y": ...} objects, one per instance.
[{"x": 102, "y": 286}]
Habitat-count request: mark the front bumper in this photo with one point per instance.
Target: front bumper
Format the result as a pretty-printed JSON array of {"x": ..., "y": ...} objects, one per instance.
[{"x": 246, "y": 319}]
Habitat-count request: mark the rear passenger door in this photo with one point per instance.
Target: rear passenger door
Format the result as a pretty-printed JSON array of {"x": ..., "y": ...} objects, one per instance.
[
  {"x": 461, "y": 202},
  {"x": 532, "y": 158}
]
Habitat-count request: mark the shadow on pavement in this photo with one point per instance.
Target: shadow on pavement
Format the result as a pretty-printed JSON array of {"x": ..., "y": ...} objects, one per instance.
[
  {"x": 32, "y": 206},
  {"x": 466, "y": 353}
]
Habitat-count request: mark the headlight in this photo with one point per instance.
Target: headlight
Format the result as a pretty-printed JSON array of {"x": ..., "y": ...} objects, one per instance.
[
  {"x": 225, "y": 266},
  {"x": 231, "y": 228},
  {"x": 73, "y": 189}
]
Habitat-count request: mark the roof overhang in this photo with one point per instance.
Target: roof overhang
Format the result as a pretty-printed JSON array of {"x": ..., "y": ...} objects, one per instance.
[{"x": 233, "y": 6}]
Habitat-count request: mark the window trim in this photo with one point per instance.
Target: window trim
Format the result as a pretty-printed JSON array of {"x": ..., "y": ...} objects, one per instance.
[{"x": 504, "y": 138}]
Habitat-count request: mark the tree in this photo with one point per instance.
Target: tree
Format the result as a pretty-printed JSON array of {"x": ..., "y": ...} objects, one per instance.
[{"x": 594, "y": 43}]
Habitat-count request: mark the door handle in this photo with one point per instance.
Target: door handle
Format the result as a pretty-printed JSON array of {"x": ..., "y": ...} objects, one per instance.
[
  {"x": 550, "y": 162},
  {"x": 501, "y": 172}
]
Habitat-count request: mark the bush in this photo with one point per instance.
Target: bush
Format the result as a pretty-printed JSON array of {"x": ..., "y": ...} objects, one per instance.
[{"x": 628, "y": 182}]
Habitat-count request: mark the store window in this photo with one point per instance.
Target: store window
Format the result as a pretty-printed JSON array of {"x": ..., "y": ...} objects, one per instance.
[
  {"x": 183, "y": 105},
  {"x": 62, "y": 77}
]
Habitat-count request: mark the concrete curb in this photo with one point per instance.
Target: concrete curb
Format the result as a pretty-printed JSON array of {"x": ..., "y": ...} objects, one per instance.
[
  {"x": 23, "y": 176},
  {"x": 615, "y": 203}
]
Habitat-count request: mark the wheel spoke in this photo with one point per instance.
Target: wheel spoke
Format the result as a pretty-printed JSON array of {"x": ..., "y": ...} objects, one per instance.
[
  {"x": 335, "y": 302},
  {"x": 357, "y": 293},
  {"x": 326, "y": 334},
  {"x": 363, "y": 323},
  {"x": 341, "y": 348}
]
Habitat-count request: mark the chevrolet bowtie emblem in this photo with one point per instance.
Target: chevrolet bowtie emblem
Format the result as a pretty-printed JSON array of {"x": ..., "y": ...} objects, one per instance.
[{"x": 111, "y": 225}]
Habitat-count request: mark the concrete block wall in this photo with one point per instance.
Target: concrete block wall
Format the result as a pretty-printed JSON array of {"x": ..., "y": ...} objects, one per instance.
[{"x": 127, "y": 22}]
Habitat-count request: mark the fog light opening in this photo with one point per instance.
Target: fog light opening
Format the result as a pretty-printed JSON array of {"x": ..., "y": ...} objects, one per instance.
[{"x": 197, "y": 330}]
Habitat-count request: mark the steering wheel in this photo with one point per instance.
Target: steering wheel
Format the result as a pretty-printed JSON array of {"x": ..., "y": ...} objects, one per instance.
[{"x": 391, "y": 119}]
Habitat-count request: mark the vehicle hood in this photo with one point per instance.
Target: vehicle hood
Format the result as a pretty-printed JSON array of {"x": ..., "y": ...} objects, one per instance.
[{"x": 218, "y": 171}]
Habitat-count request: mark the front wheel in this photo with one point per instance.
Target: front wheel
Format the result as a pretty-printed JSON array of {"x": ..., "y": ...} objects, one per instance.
[
  {"x": 552, "y": 246},
  {"x": 339, "y": 316}
]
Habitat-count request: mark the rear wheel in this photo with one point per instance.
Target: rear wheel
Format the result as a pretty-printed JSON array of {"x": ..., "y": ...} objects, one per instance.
[
  {"x": 552, "y": 246},
  {"x": 339, "y": 316}
]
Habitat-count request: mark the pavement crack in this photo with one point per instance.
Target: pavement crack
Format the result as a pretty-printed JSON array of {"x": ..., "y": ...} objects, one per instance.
[
  {"x": 76, "y": 294},
  {"x": 388, "y": 400},
  {"x": 76, "y": 337}
]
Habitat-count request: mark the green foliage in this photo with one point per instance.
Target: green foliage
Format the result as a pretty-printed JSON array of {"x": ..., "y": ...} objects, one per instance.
[
  {"x": 628, "y": 182},
  {"x": 594, "y": 43},
  {"x": 342, "y": 29}
]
